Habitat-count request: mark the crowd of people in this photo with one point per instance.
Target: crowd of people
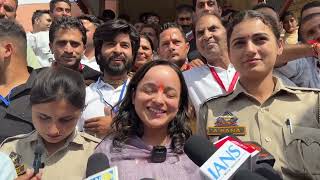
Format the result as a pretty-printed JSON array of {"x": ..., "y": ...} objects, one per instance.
[{"x": 77, "y": 86}]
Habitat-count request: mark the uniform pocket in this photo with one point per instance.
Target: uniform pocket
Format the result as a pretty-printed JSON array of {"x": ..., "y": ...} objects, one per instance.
[{"x": 302, "y": 150}]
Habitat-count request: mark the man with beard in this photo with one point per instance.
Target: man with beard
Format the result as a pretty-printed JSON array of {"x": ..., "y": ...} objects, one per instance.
[
  {"x": 116, "y": 44},
  {"x": 184, "y": 18},
  {"x": 68, "y": 40}
]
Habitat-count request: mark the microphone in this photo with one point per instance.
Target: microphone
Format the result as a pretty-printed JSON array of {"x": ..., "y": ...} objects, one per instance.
[
  {"x": 247, "y": 175},
  {"x": 265, "y": 170},
  {"x": 262, "y": 162},
  {"x": 37, "y": 158},
  {"x": 262, "y": 157},
  {"x": 215, "y": 164},
  {"x": 98, "y": 167}
]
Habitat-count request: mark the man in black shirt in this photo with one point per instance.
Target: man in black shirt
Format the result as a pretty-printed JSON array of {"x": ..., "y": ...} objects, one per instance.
[
  {"x": 15, "y": 81},
  {"x": 68, "y": 39}
]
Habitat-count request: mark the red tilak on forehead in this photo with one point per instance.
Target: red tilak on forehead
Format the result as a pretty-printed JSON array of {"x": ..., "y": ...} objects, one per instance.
[{"x": 161, "y": 87}]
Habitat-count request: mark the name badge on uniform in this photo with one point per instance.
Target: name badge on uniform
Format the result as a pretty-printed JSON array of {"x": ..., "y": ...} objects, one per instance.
[
  {"x": 16, "y": 159},
  {"x": 226, "y": 124}
]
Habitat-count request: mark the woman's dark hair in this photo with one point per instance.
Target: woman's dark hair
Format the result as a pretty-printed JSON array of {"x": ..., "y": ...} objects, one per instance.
[
  {"x": 251, "y": 14},
  {"x": 127, "y": 123},
  {"x": 287, "y": 13},
  {"x": 57, "y": 83},
  {"x": 148, "y": 39}
]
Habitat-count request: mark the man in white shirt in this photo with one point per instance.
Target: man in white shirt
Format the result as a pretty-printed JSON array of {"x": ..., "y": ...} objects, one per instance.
[
  {"x": 39, "y": 42},
  {"x": 116, "y": 44},
  {"x": 91, "y": 23},
  {"x": 218, "y": 76}
]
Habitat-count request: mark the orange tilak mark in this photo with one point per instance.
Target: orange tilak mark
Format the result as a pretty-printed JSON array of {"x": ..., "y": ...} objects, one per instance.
[{"x": 161, "y": 87}]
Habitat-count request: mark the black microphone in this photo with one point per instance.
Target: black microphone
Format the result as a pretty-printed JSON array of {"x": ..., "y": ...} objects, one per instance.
[
  {"x": 222, "y": 163},
  {"x": 96, "y": 163},
  {"x": 265, "y": 170},
  {"x": 37, "y": 158},
  {"x": 199, "y": 149},
  {"x": 263, "y": 156},
  {"x": 247, "y": 175}
]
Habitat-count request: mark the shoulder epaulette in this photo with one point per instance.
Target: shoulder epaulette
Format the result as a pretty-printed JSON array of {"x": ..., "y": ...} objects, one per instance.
[
  {"x": 89, "y": 137},
  {"x": 303, "y": 88},
  {"x": 12, "y": 138}
]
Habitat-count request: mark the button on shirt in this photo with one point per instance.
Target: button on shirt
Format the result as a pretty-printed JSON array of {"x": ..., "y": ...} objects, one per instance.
[
  {"x": 202, "y": 85},
  {"x": 96, "y": 94}
]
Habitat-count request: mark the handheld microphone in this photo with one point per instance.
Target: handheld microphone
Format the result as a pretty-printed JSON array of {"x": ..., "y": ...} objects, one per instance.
[
  {"x": 265, "y": 170},
  {"x": 247, "y": 175},
  {"x": 215, "y": 164},
  {"x": 98, "y": 167},
  {"x": 262, "y": 162},
  {"x": 261, "y": 155},
  {"x": 37, "y": 158}
]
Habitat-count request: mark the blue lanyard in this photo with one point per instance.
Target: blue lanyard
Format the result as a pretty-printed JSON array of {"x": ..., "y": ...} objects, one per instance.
[
  {"x": 5, "y": 100},
  {"x": 115, "y": 109}
]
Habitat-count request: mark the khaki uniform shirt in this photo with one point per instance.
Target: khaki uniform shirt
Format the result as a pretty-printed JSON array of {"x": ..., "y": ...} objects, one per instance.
[
  {"x": 295, "y": 144},
  {"x": 69, "y": 162}
]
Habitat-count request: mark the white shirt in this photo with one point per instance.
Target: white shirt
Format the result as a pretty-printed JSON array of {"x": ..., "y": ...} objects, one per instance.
[
  {"x": 202, "y": 85},
  {"x": 92, "y": 63},
  {"x": 39, "y": 42},
  {"x": 98, "y": 96}
]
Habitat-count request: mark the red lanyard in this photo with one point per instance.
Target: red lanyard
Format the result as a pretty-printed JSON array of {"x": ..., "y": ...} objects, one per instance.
[{"x": 219, "y": 81}]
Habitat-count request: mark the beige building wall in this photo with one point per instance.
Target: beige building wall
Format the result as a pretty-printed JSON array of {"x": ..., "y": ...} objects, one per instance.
[{"x": 24, "y": 13}]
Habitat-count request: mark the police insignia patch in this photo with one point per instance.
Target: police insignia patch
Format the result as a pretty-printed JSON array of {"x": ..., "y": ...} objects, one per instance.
[
  {"x": 16, "y": 159},
  {"x": 226, "y": 124}
]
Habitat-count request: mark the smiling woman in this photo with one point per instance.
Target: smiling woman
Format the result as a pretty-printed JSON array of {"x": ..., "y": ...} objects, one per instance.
[
  {"x": 277, "y": 117},
  {"x": 152, "y": 118},
  {"x": 57, "y": 100}
]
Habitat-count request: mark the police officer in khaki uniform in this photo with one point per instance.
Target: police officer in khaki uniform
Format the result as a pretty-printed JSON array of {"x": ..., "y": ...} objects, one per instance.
[
  {"x": 57, "y": 101},
  {"x": 69, "y": 162},
  {"x": 283, "y": 120}
]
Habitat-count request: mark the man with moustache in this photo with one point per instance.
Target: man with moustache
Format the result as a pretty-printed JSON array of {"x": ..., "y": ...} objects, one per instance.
[
  {"x": 218, "y": 76},
  {"x": 173, "y": 45},
  {"x": 68, "y": 39},
  {"x": 90, "y": 22},
  {"x": 39, "y": 42},
  {"x": 207, "y": 7},
  {"x": 184, "y": 18},
  {"x": 116, "y": 44}
]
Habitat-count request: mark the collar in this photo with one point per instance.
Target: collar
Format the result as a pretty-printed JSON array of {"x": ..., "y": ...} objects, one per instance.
[
  {"x": 26, "y": 86},
  {"x": 100, "y": 83},
  {"x": 186, "y": 66},
  {"x": 74, "y": 138},
  {"x": 279, "y": 87},
  {"x": 87, "y": 60},
  {"x": 220, "y": 69}
]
